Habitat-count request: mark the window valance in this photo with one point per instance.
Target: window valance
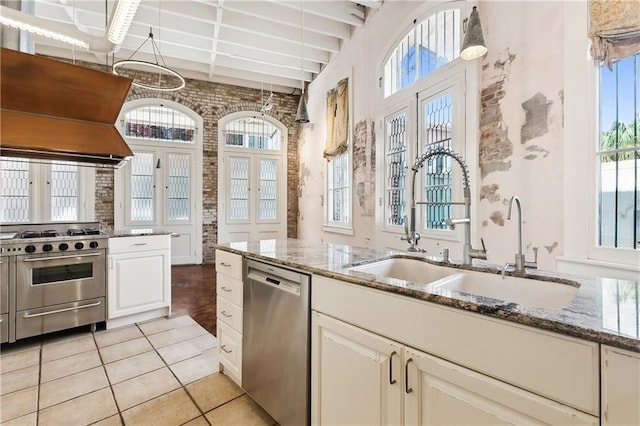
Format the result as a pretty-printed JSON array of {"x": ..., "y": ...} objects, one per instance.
[
  {"x": 337, "y": 120},
  {"x": 614, "y": 29}
]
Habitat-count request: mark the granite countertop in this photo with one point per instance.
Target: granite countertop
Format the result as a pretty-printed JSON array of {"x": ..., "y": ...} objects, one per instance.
[
  {"x": 137, "y": 232},
  {"x": 603, "y": 310}
]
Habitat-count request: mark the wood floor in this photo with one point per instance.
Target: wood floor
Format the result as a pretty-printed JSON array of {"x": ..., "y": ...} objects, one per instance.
[{"x": 193, "y": 292}]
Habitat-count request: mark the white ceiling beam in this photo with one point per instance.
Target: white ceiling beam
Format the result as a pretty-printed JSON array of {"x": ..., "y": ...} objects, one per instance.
[
  {"x": 139, "y": 33},
  {"x": 346, "y": 12},
  {"x": 238, "y": 37},
  {"x": 216, "y": 36},
  {"x": 371, "y": 4},
  {"x": 250, "y": 75},
  {"x": 186, "y": 9},
  {"x": 260, "y": 67},
  {"x": 263, "y": 27},
  {"x": 287, "y": 16},
  {"x": 267, "y": 57}
]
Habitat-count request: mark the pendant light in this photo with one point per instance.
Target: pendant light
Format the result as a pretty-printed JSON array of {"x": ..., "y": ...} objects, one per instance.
[
  {"x": 302, "y": 116},
  {"x": 164, "y": 78},
  {"x": 473, "y": 46}
]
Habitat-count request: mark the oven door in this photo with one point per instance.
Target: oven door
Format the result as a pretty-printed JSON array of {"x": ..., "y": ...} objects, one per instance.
[{"x": 46, "y": 280}]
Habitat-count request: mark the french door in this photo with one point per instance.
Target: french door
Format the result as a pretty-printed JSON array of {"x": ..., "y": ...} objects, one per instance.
[
  {"x": 160, "y": 193},
  {"x": 253, "y": 196}
]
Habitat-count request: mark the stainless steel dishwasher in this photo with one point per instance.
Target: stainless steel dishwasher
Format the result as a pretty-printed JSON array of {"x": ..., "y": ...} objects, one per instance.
[{"x": 276, "y": 341}]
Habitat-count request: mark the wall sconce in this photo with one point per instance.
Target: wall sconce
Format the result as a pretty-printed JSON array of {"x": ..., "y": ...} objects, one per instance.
[{"x": 473, "y": 46}]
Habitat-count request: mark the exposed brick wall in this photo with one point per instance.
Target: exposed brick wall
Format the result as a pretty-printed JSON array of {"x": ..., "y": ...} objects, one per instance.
[{"x": 213, "y": 101}]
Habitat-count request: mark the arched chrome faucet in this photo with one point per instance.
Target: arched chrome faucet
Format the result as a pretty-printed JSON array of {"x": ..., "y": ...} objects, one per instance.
[{"x": 468, "y": 252}]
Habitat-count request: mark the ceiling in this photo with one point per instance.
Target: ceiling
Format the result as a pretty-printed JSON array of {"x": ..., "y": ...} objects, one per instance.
[{"x": 243, "y": 42}]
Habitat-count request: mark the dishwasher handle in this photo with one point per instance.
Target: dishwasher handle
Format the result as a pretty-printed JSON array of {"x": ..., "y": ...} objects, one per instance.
[{"x": 273, "y": 281}]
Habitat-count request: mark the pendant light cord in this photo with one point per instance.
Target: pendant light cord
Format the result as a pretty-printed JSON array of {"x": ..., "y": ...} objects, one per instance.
[{"x": 302, "y": 48}]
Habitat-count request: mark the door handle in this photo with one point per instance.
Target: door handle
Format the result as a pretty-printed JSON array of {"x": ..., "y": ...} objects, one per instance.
[
  {"x": 407, "y": 389},
  {"x": 226, "y": 265},
  {"x": 225, "y": 349},
  {"x": 226, "y": 290},
  {"x": 36, "y": 259},
  {"x": 225, "y": 314},
  {"x": 392, "y": 381}
]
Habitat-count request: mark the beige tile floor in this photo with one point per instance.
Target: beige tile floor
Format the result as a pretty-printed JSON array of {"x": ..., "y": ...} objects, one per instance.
[{"x": 162, "y": 372}]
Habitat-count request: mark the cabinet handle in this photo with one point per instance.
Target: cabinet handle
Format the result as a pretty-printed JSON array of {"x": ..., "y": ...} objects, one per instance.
[
  {"x": 225, "y": 314},
  {"x": 139, "y": 244},
  {"x": 392, "y": 381},
  {"x": 226, "y": 289},
  {"x": 407, "y": 389},
  {"x": 225, "y": 349},
  {"x": 226, "y": 265}
]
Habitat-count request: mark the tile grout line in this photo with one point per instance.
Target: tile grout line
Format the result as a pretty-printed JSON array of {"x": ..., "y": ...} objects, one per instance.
[
  {"x": 104, "y": 368},
  {"x": 39, "y": 382},
  {"x": 184, "y": 387}
]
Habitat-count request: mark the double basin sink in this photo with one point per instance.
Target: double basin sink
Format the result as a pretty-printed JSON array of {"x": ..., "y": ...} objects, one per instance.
[{"x": 443, "y": 280}]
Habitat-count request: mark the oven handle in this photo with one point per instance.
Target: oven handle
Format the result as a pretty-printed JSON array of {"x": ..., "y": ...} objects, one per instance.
[
  {"x": 57, "y": 311},
  {"x": 37, "y": 259}
]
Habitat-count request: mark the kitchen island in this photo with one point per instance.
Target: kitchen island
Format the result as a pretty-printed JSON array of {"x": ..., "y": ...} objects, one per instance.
[{"x": 432, "y": 355}]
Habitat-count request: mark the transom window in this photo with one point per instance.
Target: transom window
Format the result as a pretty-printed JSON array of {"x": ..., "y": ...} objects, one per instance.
[
  {"x": 252, "y": 132},
  {"x": 619, "y": 155},
  {"x": 159, "y": 123},
  {"x": 425, "y": 48}
]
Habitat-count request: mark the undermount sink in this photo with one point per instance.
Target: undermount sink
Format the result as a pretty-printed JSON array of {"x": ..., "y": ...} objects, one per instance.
[
  {"x": 523, "y": 291},
  {"x": 401, "y": 268}
]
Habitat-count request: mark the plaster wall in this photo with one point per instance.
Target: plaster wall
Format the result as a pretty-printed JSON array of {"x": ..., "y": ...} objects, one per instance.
[{"x": 520, "y": 147}]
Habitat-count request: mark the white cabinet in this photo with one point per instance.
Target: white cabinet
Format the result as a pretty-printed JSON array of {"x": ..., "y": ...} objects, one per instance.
[
  {"x": 620, "y": 387},
  {"x": 447, "y": 366},
  {"x": 229, "y": 290},
  {"x": 139, "y": 279},
  {"x": 355, "y": 375}
]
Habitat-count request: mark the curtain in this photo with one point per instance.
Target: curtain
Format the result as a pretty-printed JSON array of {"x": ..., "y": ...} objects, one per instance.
[
  {"x": 337, "y": 120},
  {"x": 614, "y": 29}
]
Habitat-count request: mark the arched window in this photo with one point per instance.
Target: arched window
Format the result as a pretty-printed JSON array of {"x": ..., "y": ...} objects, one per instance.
[
  {"x": 252, "y": 132},
  {"x": 158, "y": 122},
  {"x": 425, "y": 48}
]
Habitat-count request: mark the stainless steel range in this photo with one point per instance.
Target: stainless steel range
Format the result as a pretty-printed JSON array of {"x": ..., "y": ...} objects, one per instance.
[{"x": 53, "y": 278}]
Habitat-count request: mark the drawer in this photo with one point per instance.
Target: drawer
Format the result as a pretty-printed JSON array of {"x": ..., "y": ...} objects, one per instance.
[
  {"x": 4, "y": 328},
  {"x": 140, "y": 243},
  {"x": 230, "y": 351},
  {"x": 229, "y": 264},
  {"x": 229, "y": 313},
  {"x": 229, "y": 289}
]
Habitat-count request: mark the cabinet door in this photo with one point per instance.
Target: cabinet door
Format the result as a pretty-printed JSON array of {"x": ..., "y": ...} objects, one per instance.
[
  {"x": 356, "y": 376},
  {"x": 620, "y": 387},
  {"x": 439, "y": 392},
  {"x": 138, "y": 282}
]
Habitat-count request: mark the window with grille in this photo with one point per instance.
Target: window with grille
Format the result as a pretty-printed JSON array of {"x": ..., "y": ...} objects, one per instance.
[
  {"x": 338, "y": 190},
  {"x": 618, "y": 155},
  {"x": 252, "y": 132},
  {"x": 436, "y": 133},
  {"x": 142, "y": 187},
  {"x": 39, "y": 192},
  {"x": 396, "y": 169},
  {"x": 426, "y": 47},
  {"x": 156, "y": 122}
]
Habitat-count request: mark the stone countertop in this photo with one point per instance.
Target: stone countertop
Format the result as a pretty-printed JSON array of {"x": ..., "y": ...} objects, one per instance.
[
  {"x": 139, "y": 232},
  {"x": 603, "y": 310}
]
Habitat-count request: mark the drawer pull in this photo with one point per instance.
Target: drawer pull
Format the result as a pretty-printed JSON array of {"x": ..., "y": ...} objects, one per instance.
[
  {"x": 225, "y": 349},
  {"x": 57, "y": 311},
  {"x": 225, "y": 314},
  {"x": 407, "y": 389},
  {"x": 226, "y": 289},
  {"x": 139, "y": 244},
  {"x": 226, "y": 265}
]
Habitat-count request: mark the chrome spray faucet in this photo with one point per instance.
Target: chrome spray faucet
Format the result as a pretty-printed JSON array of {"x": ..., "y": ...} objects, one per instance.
[{"x": 521, "y": 263}]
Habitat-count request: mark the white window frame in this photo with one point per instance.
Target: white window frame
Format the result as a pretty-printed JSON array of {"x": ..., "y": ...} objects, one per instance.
[
  {"x": 581, "y": 254},
  {"x": 464, "y": 78},
  {"x": 330, "y": 226},
  {"x": 40, "y": 206}
]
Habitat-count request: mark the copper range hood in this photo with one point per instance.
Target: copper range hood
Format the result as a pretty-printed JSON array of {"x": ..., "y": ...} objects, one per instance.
[{"x": 51, "y": 110}]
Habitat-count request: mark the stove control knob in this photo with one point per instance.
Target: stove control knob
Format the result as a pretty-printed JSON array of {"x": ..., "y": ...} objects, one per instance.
[
  {"x": 30, "y": 249},
  {"x": 47, "y": 247},
  {"x": 93, "y": 244},
  {"x": 63, "y": 246},
  {"x": 79, "y": 246}
]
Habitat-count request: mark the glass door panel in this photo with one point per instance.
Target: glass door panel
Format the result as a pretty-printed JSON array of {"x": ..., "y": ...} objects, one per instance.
[
  {"x": 268, "y": 190},
  {"x": 142, "y": 208},
  {"x": 178, "y": 187},
  {"x": 238, "y": 205}
]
